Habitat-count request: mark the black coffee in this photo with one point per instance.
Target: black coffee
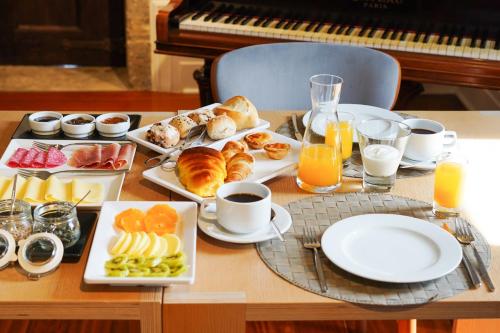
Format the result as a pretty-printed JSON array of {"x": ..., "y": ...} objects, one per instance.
[
  {"x": 243, "y": 197},
  {"x": 422, "y": 131}
]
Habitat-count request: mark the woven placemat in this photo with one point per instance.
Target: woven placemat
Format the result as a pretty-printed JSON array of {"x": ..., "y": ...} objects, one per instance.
[
  {"x": 294, "y": 263},
  {"x": 355, "y": 168}
]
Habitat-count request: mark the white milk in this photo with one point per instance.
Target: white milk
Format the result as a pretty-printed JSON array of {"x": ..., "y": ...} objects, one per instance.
[{"x": 381, "y": 160}]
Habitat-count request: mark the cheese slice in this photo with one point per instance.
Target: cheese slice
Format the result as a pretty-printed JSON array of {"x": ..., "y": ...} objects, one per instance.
[
  {"x": 34, "y": 191},
  {"x": 80, "y": 188},
  {"x": 57, "y": 190},
  {"x": 6, "y": 187}
]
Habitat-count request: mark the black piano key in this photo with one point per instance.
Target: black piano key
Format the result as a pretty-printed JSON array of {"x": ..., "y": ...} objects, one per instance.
[
  {"x": 349, "y": 30},
  {"x": 238, "y": 19},
  {"x": 363, "y": 31},
  {"x": 297, "y": 25},
  {"x": 319, "y": 26},
  {"x": 497, "y": 44},
  {"x": 394, "y": 35},
  {"x": 246, "y": 20},
  {"x": 280, "y": 24},
  {"x": 341, "y": 30},
  {"x": 404, "y": 35},
  {"x": 427, "y": 36},
  {"x": 289, "y": 24},
  {"x": 385, "y": 34},
  {"x": 331, "y": 29},
  {"x": 197, "y": 16},
  {"x": 259, "y": 21},
  {"x": 267, "y": 22},
  {"x": 310, "y": 26}
]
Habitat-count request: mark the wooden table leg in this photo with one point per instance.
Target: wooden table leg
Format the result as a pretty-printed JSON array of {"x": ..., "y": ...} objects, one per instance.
[
  {"x": 150, "y": 311},
  {"x": 204, "y": 312},
  {"x": 407, "y": 326}
]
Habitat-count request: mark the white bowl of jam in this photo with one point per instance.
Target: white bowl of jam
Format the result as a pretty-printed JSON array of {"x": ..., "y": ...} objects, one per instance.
[
  {"x": 78, "y": 125},
  {"x": 113, "y": 125},
  {"x": 45, "y": 122}
]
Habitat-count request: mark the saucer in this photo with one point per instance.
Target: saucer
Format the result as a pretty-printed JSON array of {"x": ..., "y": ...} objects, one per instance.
[
  {"x": 417, "y": 165},
  {"x": 213, "y": 229}
]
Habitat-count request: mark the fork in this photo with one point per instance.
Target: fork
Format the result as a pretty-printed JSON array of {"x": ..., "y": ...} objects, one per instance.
[
  {"x": 465, "y": 236},
  {"x": 462, "y": 237},
  {"x": 42, "y": 174},
  {"x": 310, "y": 241},
  {"x": 45, "y": 146}
]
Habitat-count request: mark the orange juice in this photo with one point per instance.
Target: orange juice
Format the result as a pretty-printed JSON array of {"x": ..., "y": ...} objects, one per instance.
[
  {"x": 346, "y": 134},
  {"x": 320, "y": 165},
  {"x": 448, "y": 184}
]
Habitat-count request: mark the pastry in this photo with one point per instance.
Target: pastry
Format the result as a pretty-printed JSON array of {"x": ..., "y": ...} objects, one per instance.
[
  {"x": 183, "y": 124},
  {"x": 277, "y": 151},
  {"x": 201, "y": 170},
  {"x": 202, "y": 117},
  {"x": 239, "y": 167},
  {"x": 163, "y": 135},
  {"x": 241, "y": 110},
  {"x": 231, "y": 148},
  {"x": 221, "y": 127},
  {"x": 257, "y": 140}
]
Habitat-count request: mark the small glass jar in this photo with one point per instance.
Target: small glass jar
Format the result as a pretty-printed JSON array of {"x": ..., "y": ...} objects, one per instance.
[
  {"x": 59, "y": 218},
  {"x": 19, "y": 223}
]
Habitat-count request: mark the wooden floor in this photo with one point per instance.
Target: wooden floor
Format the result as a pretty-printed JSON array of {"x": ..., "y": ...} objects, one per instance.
[{"x": 155, "y": 101}]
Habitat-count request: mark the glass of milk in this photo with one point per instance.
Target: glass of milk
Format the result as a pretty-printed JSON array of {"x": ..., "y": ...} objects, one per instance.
[{"x": 382, "y": 143}]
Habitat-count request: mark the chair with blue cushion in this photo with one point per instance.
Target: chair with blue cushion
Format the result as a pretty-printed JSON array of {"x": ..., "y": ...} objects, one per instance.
[{"x": 276, "y": 76}]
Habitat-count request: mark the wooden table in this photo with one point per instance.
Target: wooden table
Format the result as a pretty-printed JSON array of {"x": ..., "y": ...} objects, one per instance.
[{"x": 232, "y": 284}]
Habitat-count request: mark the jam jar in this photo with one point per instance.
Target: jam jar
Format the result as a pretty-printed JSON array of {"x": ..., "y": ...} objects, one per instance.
[
  {"x": 19, "y": 223},
  {"x": 59, "y": 218}
]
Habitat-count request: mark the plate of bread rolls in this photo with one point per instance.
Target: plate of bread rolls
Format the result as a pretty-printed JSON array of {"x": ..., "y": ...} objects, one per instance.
[
  {"x": 237, "y": 115},
  {"x": 257, "y": 156}
]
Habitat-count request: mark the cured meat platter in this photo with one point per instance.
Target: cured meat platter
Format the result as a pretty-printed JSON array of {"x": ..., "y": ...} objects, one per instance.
[{"x": 88, "y": 155}]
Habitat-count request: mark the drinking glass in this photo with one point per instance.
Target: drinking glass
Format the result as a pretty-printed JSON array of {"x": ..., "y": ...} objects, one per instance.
[
  {"x": 382, "y": 143},
  {"x": 346, "y": 122},
  {"x": 320, "y": 159},
  {"x": 449, "y": 181}
]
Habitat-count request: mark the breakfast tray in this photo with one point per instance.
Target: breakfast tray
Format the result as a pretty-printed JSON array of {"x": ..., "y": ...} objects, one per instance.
[
  {"x": 355, "y": 168},
  {"x": 294, "y": 263}
]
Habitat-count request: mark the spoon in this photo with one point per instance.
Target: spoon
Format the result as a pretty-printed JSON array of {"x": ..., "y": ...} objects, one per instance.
[
  {"x": 275, "y": 227},
  {"x": 79, "y": 201},
  {"x": 13, "y": 195}
]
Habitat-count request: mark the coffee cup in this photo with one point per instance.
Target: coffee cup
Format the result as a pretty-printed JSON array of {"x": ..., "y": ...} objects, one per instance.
[
  {"x": 427, "y": 140},
  {"x": 240, "y": 207}
]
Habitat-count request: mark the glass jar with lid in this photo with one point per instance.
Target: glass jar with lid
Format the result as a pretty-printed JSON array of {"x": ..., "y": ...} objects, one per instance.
[
  {"x": 19, "y": 224},
  {"x": 59, "y": 218}
]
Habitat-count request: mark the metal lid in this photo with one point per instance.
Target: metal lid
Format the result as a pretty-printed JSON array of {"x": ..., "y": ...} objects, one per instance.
[
  {"x": 7, "y": 248},
  {"x": 40, "y": 254}
]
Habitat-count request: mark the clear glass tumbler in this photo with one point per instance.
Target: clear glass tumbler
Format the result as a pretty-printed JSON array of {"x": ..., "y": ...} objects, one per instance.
[
  {"x": 382, "y": 143},
  {"x": 449, "y": 179},
  {"x": 320, "y": 159}
]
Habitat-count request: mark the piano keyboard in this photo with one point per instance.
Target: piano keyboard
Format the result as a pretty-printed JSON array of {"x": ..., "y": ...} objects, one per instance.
[{"x": 379, "y": 38}]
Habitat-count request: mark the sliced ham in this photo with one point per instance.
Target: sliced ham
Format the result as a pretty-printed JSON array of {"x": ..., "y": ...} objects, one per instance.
[
  {"x": 27, "y": 161},
  {"x": 87, "y": 157},
  {"x": 124, "y": 156},
  {"x": 40, "y": 160},
  {"x": 109, "y": 155},
  {"x": 54, "y": 158},
  {"x": 15, "y": 160}
]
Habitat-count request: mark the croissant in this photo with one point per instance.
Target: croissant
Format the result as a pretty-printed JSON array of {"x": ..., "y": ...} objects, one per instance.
[
  {"x": 201, "y": 170},
  {"x": 231, "y": 148},
  {"x": 239, "y": 167}
]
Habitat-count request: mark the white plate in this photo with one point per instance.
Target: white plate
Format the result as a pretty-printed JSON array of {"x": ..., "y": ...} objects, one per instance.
[
  {"x": 264, "y": 169},
  {"x": 391, "y": 248},
  {"x": 112, "y": 185},
  {"x": 213, "y": 229},
  {"x": 105, "y": 231},
  {"x": 28, "y": 143},
  {"x": 139, "y": 135},
  {"x": 417, "y": 165},
  {"x": 361, "y": 112}
]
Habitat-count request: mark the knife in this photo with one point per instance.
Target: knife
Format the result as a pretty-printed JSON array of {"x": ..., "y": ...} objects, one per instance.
[
  {"x": 483, "y": 271},
  {"x": 297, "y": 133},
  {"x": 474, "y": 278}
]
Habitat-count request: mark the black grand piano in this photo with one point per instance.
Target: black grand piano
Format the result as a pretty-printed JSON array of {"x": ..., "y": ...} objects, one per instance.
[{"x": 441, "y": 41}]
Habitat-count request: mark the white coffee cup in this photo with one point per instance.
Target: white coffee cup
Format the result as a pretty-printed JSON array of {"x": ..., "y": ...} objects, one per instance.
[
  {"x": 240, "y": 217},
  {"x": 427, "y": 146}
]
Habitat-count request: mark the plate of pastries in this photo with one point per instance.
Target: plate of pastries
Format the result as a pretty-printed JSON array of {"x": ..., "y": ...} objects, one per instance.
[
  {"x": 257, "y": 156},
  {"x": 235, "y": 116}
]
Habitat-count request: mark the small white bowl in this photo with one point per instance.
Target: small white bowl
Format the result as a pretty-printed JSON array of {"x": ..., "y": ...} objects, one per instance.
[
  {"x": 78, "y": 131},
  {"x": 112, "y": 130},
  {"x": 45, "y": 127}
]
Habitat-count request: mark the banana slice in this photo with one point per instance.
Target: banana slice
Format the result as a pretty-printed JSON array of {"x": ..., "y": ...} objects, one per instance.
[
  {"x": 163, "y": 247},
  {"x": 135, "y": 243},
  {"x": 144, "y": 244},
  {"x": 174, "y": 244},
  {"x": 154, "y": 246},
  {"x": 122, "y": 243}
]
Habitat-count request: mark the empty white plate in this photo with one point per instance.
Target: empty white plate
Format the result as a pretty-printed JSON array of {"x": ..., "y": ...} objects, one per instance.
[
  {"x": 213, "y": 229},
  {"x": 361, "y": 112},
  {"x": 391, "y": 248}
]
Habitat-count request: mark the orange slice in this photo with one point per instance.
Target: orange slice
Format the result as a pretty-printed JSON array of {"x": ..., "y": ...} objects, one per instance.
[
  {"x": 161, "y": 219},
  {"x": 130, "y": 220}
]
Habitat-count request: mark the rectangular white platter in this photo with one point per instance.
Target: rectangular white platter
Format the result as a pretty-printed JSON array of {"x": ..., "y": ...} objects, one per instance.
[
  {"x": 112, "y": 185},
  {"x": 139, "y": 135},
  {"x": 264, "y": 168},
  {"x": 14, "y": 144},
  {"x": 105, "y": 232}
]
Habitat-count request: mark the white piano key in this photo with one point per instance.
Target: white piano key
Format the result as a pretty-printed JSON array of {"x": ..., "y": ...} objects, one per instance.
[
  {"x": 483, "y": 53},
  {"x": 353, "y": 37},
  {"x": 467, "y": 50}
]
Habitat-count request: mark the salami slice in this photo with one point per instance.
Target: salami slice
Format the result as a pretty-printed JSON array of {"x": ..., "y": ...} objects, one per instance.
[
  {"x": 15, "y": 160},
  {"x": 27, "y": 161},
  {"x": 124, "y": 156},
  {"x": 55, "y": 158},
  {"x": 40, "y": 160}
]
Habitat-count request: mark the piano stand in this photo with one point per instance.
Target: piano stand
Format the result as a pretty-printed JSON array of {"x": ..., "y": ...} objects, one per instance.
[{"x": 202, "y": 77}]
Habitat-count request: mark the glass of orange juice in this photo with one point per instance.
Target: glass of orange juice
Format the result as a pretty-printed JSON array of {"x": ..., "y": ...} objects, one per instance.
[
  {"x": 320, "y": 159},
  {"x": 449, "y": 181}
]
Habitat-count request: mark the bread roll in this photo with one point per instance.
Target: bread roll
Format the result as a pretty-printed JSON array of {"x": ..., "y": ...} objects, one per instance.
[
  {"x": 241, "y": 110},
  {"x": 231, "y": 148},
  {"x": 258, "y": 140},
  {"x": 201, "y": 170},
  {"x": 183, "y": 124},
  {"x": 239, "y": 167},
  {"x": 165, "y": 136},
  {"x": 202, "y": 117},
  {"x": 221, "y": 127}
]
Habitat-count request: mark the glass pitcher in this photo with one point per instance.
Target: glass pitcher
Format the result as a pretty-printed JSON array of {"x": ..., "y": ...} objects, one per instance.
[{"x": 320, "y": 159}]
